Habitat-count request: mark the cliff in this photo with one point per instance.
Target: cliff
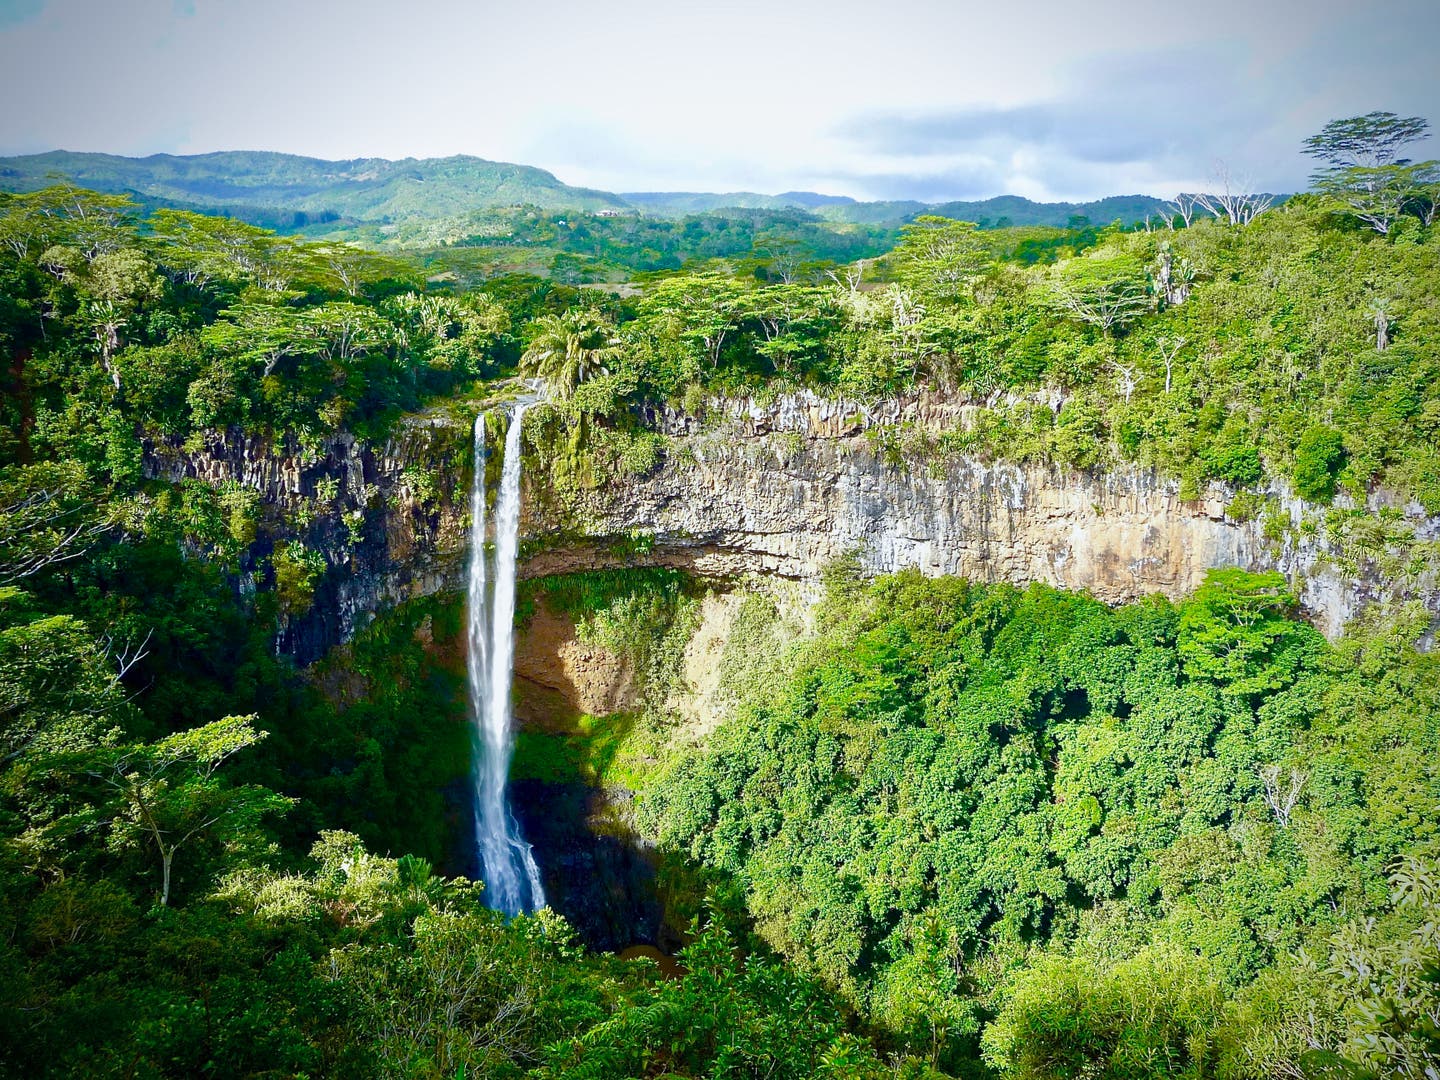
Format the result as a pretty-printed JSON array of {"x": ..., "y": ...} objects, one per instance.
[{"x": 788, "y": 487}]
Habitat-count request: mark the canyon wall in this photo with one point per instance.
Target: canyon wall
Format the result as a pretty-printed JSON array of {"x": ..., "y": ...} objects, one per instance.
[{"x": 786, "y": 488}]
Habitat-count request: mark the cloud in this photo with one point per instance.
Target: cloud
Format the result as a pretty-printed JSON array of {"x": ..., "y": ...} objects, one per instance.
[
  {"x": 934, "y": 99},
  {"x": 1156, "y": 116},
  {"x": 1074, "y": 128}
]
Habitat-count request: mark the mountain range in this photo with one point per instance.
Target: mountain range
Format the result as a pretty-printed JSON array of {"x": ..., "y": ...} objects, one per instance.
[{"x": 289, "y": 192}]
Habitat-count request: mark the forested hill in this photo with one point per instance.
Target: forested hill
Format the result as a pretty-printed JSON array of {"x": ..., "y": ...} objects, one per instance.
[
  {"x": 289, "y": 192},
  {"x": 286, "y": 190},
  {"x": 996, "y": 212}
]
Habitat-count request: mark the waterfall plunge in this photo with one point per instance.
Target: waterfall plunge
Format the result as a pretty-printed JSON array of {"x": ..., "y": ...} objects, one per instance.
[{"x": 512, "y": 881}]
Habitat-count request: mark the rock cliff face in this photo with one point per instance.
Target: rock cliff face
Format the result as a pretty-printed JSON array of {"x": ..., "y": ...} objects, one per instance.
[
  {"x": 389, "y": 519},
  {"x": 788, "y": 487}
]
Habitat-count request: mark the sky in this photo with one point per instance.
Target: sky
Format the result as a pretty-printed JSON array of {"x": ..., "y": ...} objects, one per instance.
[{"x": 918, "y": 99}]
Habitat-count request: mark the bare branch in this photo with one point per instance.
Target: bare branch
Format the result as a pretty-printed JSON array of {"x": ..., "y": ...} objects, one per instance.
[
  {"x": 1236, "y": 203},
  {"x": 1281, "y": 802},
  {"x": 127, "y": 656}
]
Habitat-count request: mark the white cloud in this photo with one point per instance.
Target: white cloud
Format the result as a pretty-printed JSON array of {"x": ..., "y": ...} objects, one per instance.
[{"x": 1042, "y": 98}]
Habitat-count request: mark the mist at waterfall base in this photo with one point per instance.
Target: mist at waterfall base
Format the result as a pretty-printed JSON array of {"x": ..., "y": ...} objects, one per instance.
[{"x": 506, "y": 863}]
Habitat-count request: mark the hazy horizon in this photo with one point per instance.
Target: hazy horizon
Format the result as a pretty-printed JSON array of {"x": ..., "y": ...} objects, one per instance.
[{"x": 925, "y": 101}]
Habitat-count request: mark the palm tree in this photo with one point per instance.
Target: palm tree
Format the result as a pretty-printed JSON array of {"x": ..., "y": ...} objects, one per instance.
[{"x": 568, "y": 349}]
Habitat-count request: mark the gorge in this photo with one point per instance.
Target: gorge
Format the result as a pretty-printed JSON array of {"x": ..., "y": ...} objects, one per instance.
[
  {"x": 1008, "y": 658},
  {"x": 752, "y": 493}
]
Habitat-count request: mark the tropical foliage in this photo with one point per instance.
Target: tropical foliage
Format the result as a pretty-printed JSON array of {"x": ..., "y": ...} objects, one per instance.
[
  {"x": 1083, "y": 841},
  {"x": 944, "y": 829}
]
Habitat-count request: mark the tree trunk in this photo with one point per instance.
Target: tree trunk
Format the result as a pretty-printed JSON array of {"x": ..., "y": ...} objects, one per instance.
[{"x": 165, "y": 859}]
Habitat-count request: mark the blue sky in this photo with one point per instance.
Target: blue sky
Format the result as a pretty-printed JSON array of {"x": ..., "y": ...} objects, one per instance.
[{"x": 908, "y": 99}]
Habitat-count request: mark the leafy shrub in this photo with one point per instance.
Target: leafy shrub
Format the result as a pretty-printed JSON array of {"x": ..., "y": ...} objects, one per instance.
[{"x": 1319, "y": 456}]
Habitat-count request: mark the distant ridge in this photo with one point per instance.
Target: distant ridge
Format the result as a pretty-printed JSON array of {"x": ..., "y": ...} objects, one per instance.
[
  {"x": 373, "y": 190},
  {"x": 287, "y": 191}
]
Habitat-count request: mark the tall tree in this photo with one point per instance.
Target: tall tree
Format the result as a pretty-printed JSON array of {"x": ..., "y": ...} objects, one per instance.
[
  {"x": 1106, "y": 292},
  {"x": 939, "y": 256},
  {"x": 168, "y": 793},
  {"x": 1364, "y": 172}
]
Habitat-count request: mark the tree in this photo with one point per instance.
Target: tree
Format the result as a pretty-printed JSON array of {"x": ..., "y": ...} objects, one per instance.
[
  {"x": 350, "y": 268},
  {"x": 1318, "y": 458},
  {"x": 1235, "y": 203},
  {"x": 1371, "y": 141},
  {"x": 1425, "y": 198},
  {"x": 1380, "y": 317},
  {"x": 452, "y": 334},
  {"x": 1172, "y": 279},
  {"x": 169, "y": 793},
  {"x": 120, "y": 282},
  {"x": 259, "y": 334},
  {"x": 1234, "y": 631},
  {"x": 1103, "y": 291},
  {"x": 1127, "y": 377},
  {"x": 938, "y": 255},
  {"x": 47, "y": 516},
  {"x": 781, "y": 254},
  {"x": 342, "y": 333},
  {"x": 1391, "y": 984},
  {"x": 1169, "y": 351},
  {"x": 697, "y": 312},
  {"x": 64, "y": 214},
  {"x": 568, "y": 349},
  {"x": 792, "y": 322},
  {"x": 1364, "y": 172},
  {"x": 1183, "y": 206},
  {"x": 56, "y": 692},
  {"x": 197, "y": 248}
]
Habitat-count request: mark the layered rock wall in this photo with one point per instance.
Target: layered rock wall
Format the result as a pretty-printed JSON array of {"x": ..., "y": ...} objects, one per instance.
[{"x": 787, "y": 488}]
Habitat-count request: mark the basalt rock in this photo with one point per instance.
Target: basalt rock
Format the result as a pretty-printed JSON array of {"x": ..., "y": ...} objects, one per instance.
[
  {"x": 389, "y": 519},
  {"x": 784, "y": 489}
]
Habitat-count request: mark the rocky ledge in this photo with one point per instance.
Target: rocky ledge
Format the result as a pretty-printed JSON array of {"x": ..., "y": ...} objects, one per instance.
[{"x": 785, "y": 489}]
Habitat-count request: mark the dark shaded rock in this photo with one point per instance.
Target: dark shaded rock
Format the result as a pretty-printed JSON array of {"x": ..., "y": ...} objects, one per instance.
[{"x": 604, "y": 883}]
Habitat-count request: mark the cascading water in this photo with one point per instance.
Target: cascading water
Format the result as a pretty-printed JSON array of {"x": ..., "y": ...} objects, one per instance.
[{"x": 512, "y": 881}]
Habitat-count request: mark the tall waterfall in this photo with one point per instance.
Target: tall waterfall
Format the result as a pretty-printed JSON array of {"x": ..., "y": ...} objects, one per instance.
[{"x": 512, "y": 881}]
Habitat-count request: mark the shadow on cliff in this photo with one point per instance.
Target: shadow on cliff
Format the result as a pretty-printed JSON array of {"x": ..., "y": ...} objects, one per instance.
[{"x": 603, "y": 878}]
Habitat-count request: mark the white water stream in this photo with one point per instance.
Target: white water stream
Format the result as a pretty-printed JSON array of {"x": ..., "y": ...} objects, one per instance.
[{"x": 512, "y": 881}]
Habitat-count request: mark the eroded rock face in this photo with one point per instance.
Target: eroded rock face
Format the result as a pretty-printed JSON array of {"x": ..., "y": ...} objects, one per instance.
[
  {"x": 557, "y": 674},
  {"x": 783, "y": 489},
  {"x": 787, "y": 488},
  {"x": 390, "y": 520}
]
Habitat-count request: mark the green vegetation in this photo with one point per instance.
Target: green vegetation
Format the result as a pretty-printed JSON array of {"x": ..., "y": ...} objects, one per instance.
[
  {"x": 643, "y": 616},
  {"x": 435, "y": 196},
  {"x": 573, "y": 247},
  {"x": 1207, "y": 352},
  {"x": 1071, "y": 840},
  {"x": 290, "y": 192},
  {"x": 153, "y": 926},
  {"x": 958, "y": 830},
  {"x": 1365, "y": 173},
  {"x": 197, "y": 323}
]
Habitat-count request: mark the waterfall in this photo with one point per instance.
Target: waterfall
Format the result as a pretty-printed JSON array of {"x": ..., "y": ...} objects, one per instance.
[{"x": 512, "y": 881}]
